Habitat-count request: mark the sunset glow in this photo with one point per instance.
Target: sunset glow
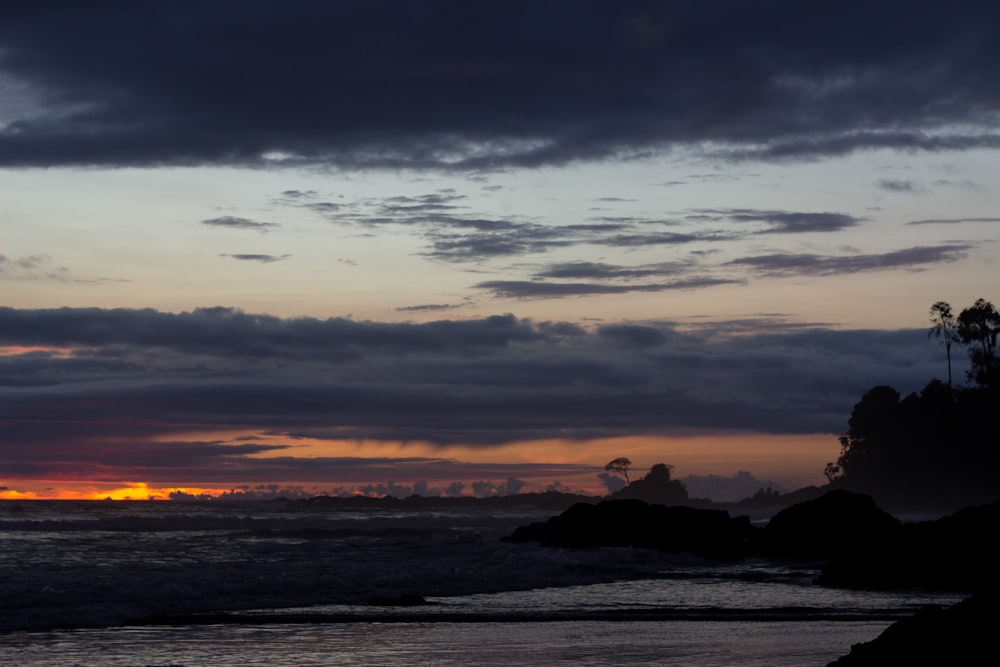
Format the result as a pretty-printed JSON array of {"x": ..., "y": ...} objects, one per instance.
[{"x": 493, "y": 250}]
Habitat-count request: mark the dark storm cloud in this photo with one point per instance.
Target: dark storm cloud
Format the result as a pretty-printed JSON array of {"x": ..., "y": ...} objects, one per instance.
[
  {"x": 217, "y": 462},
  {"x": 848, "y": 142},
  {"x": 633, "y": 335},
  {"x": 789, "y": 264},
  {"x": 240, "y": 223},
  {"x": 476, "y": 85},
  {"x": 232, "y": 332},
  {"x": 128, "y": 387},
  {"x": 250, "y": 257}
]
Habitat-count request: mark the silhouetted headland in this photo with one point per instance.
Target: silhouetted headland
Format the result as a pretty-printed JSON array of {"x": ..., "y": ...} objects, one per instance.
[
  {"x": 963, "y": 634},
  {"x": 636, "y": 523},
  {"x": 937, "y": 449},
  {"x": 858, "y": 544}
]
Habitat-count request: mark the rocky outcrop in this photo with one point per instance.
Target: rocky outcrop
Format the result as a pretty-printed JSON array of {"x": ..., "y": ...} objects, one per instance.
[
  {"x": 655, "y": 488},
  {"x": 957, "y": 552},
  {"x": 837, "y": 522},
  {"x": 635, "y": 523},
  {"x": 862, "y": 545},
  {"x": 959, "y": 635}
]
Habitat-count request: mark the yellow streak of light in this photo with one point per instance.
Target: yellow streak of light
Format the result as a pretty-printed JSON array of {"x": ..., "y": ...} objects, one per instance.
[{"x": 10, "y": 494}]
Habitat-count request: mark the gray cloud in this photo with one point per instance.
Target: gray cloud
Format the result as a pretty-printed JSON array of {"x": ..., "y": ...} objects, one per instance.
[
  {"x": 897, "y": 185},
  {"x": 240, "y": 223},
  {"x": 263, "y": 259},
  {"x": 847, "y": 142},
  {"x": 478, "y": 383},
  {"x": 490, "y": 85},
  {"x": 963, "y": 184},
  {"x": 661, "y": 238},
  {"x": 428, "y": 307},
  {"x": 774, "y": 323},
  {"x": 951, "y": 221},
  {"x": 43, "y": 268},
  {"x": 789, "y": 264},
  {"x": 530, "y": 289},
  {"x": 453, "y": 233},
  {"x": 603, "y": 271},
  {"x": 783, "y": 222}
]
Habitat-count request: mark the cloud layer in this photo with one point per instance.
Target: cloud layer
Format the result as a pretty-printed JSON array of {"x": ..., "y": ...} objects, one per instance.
[
  {"x": 122, "y": 389},
  {"x": 451, "y": 231},
  {"x": 453, "y": 84}
]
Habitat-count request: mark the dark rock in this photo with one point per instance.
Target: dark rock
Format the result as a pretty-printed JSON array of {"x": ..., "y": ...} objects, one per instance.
[
  {"x": 635, "y": 523},
  {"x": 959, "y": 635},
  {"x": 835, "y": 523},
  {"x": 655, "y": 488},
  {"x": 958, "y": 552}
]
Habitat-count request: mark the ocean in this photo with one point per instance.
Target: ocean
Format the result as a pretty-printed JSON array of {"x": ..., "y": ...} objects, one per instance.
[{"x": 298, "y": 583}]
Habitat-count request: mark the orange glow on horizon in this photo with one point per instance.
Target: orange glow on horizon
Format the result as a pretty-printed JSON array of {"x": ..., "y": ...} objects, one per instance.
[
  {"x": 791, "y": 460},
  {"x": 16, "y": 350},
  {"x": 11, "y": 494},
  {"x": 131, "y": 491}
]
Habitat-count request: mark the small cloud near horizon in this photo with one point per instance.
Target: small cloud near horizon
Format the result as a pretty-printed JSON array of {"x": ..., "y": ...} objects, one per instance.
[{"x": 264, "y": 259}]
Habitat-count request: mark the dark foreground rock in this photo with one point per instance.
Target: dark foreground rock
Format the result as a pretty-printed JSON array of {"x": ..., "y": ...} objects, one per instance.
[
  {"x": 960, "y": 635},
  {"x": 635, "y": 523},
  {"x": 836, "y": 523},
  {"x": 957, "y": 552},
  {"x": 860, "y": 545}
]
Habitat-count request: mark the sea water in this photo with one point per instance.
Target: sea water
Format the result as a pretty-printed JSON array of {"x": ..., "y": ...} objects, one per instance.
[{"x": 293, "y": 583}]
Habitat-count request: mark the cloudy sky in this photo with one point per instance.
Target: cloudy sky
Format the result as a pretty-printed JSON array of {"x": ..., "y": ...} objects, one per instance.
[{"x": 477, "y": 247}]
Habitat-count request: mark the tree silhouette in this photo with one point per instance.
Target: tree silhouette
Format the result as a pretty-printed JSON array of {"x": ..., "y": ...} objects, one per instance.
[
  {"x": 945, "y": 329},
  {"x": 978, "y": 326},
  {"x": 620, "y": 466},
  {"x": 938, "y": 445},
  {"x": 873, "y": 436}
]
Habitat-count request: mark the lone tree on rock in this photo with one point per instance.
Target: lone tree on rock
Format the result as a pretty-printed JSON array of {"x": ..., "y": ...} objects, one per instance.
[
  {"x": 620, "y": 466},
  {"x": 655, "y": 488}
]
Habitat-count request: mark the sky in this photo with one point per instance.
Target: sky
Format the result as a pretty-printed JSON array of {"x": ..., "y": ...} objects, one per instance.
[{"x": 440, "y": 247}]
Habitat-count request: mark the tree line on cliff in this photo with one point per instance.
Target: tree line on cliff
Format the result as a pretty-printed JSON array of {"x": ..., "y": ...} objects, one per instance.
[{"x": 937, "y": 446}]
